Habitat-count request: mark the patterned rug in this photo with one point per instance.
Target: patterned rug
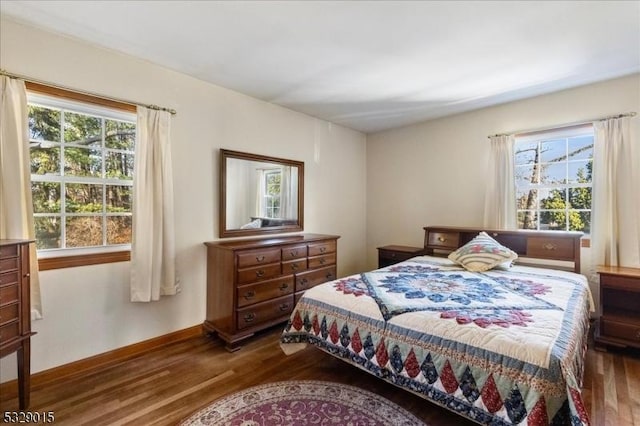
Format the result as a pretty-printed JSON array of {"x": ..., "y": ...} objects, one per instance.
[{"x": 305, "y": 402}]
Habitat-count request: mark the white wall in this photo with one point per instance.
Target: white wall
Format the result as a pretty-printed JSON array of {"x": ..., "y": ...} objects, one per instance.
[
  {"x": 86, "y": 309},
  {"x": 433, "y": 173}
]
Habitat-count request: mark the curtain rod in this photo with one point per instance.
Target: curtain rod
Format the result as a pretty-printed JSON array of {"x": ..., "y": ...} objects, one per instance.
[
  {"x": 57, "y": 86},
  {"x": 559, "y": 126}
]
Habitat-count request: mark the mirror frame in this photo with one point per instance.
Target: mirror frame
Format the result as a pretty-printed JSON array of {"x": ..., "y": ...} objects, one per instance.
[{"x": 223, "y": 231}]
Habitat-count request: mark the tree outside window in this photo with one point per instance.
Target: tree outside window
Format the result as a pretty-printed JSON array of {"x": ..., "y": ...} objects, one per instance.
[
  {"x": 273, "y": 179},
  {"x": 553, "y": 173},
  {"x": 81, "y": 174}
]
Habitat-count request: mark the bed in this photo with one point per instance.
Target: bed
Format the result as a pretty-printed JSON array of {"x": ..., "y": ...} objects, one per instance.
[{"x": 499, "y": 346}]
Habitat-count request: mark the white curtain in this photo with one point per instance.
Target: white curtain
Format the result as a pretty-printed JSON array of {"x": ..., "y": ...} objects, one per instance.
[
  {"x": 615, "y": 207},
  {"x": 288, "y": 204},
  {"x": 16, "y": 208},
  {"x": 500, "y": 197},
  {"x": 260, "y": 204},
  {"x": 153, "y": 241}
]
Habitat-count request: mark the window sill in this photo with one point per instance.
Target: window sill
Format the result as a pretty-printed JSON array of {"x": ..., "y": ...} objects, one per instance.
[{"x": 45, "y": 264}]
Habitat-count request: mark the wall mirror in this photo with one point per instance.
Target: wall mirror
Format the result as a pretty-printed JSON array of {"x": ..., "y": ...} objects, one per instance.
[{"x": 260, "y": 194}]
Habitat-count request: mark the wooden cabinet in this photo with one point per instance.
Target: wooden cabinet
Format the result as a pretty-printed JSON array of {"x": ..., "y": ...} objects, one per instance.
[
  {"x": 620, "y": 307},
  {"x": 254, "y": 284},
  {"x": 389, "y": 255},
  {"x": 15, "y": 311}
]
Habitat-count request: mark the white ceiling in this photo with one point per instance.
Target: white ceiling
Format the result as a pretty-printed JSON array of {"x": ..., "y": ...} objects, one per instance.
[{"x": 368, "y": 65}]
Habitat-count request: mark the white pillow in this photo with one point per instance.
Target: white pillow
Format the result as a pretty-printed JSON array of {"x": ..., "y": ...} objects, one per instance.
[
  {"x": 483, "y": 253},
  {"x": 252, "y": 225}
]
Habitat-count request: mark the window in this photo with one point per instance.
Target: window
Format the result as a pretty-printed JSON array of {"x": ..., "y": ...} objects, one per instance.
[
  {"x": 553, "y": 179},
  {"x": 82, "y": 175},
  {"x": 272, "y": 182}
]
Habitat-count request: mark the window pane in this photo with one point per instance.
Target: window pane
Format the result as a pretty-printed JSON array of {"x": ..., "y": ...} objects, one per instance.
[
  {"x": 580, "y": 171},
  {"x": 552, "y": 151},
  {"x": 526, "y": 175},
  {"x": 83, "y": 162},
  {"x": 48, "y": 232},
  {"x": 526, "y": 199},
  {"x": 580, "y": 221},
  {"x": 118, "y": 198},
  {"x": 553, "y": 173},
  {"x": 46, "y": 197},
  {"x": 119, "y": 165},
  {"x": 82, "y": 129},
  {"x": 45, "y": 159},
  {"x": 581, "y": 148},
  {"x": 527, "y": 219},
  {"x": 84, "y": 231},
  {"x": 119, "y": 230},
  {"x": 83, "y": 198},
  {"x": 526, "y": 153},
  {"x": 553, "y": 220},
  {"x": 120, "y": 135},
  {"x": 44, "y": 124},
  {"x": 580, "y": 198},
  {"x": 553, "y": 199}
]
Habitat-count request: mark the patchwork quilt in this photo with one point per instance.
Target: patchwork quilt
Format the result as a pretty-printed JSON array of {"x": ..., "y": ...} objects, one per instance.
[{"x": 505, "y": 346}]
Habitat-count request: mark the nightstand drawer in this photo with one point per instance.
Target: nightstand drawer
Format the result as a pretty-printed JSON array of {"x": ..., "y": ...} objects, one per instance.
[
  {"x": 388, "y": 255},
  {"x": 620, "y": 282},
  {"x": 620, "y": 330}
]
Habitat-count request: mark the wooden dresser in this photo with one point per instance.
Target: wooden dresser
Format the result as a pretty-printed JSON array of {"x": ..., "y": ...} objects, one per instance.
[
  {"x": 15, "y": 310},
  {"x": 254, "y": 284},
  {"x": 620, "y": 307}
]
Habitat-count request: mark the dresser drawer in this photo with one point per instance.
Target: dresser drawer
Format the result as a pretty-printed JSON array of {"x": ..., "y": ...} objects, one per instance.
[
  {"x": 620, "y": 330},
  {"x": 9, "y": 331},
  {"x": 294, "y": 266},
  {"x": 8, "y": 251},
  {"x": 550, "y": 248},
  {"x": 319, "y": 261},
  {"x": 258, "y": 257},
  {"x": 266, "y": 290},
  {"x": 317, "y": 249},
  {"x": 294, "y": 252},
  {"x": 314, "y": 277},
  {"x": 9, "y": 264},
  {"x": 263, "y": 312},
  {"x": 9, "y": 294},
  {"x": 259, "y": 273},
  {"x": 8, "y": 313},
  {"x": 9, "y": 278},
  {"x": 444, "y": 240}
]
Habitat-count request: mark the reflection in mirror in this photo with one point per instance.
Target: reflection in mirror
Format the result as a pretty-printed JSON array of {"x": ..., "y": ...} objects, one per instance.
[{"x": 259, "y": 194}]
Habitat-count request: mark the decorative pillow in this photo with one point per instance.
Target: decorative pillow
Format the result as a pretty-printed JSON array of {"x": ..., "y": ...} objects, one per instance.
[
  {"x": 483, "y": 253},
  {"x": 252, "y": 225}
]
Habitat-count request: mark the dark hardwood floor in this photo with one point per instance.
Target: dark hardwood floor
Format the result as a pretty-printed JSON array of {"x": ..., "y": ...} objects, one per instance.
[{"x": 166, "y": 385}]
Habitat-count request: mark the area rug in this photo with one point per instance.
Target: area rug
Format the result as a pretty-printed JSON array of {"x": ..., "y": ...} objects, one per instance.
[{"x": 305, "y": 402}]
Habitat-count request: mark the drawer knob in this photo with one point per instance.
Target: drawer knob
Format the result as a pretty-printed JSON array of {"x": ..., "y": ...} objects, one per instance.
[
  {"x": 284, "y": 307},
  {"x": 549, "y": 246},
  {"x": 329, "y": 276},
  {"x": 323, "y": 249},
  {"x": 303, "y": 281},
  {"x": 442, "y": 239},
  {"x": 323, "y": 261},
  {"x": 294, "y": 266},
  {"x": 259, "y": 273},
  {"x": 284, "y": 286},
  {"x": 249, "y": 295},
  {"x": 249, "y": 317},
  {"x": 259, "y": 258},
  {"x": 294, "y": 253}
]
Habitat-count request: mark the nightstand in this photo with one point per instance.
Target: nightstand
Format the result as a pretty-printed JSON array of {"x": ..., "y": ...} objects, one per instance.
[
  {"x": 620, "y": 305},
  {"x": 388, "y": 255}
]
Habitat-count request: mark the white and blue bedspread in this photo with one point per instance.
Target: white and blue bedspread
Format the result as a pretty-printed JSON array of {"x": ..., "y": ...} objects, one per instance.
[{"x": 498, "y": 347}]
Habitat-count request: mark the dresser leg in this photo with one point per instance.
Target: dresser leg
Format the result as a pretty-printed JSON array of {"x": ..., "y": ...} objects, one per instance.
[{"x": 24, "y": 374}]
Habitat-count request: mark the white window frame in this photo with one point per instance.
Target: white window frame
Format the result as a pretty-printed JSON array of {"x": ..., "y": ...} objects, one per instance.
[
  {"x": 541, "y": 137},
  {"x": 41, "y": 100},
  {"x": 267, "y": 197}
]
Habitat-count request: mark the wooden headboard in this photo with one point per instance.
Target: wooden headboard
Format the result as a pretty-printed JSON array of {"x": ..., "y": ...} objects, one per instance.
[{"x": 545, "y": 245}]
